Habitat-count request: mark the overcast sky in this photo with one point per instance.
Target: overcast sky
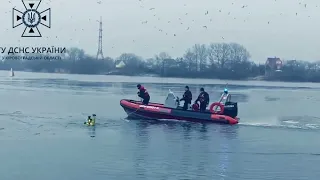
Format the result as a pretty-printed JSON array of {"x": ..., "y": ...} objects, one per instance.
[{"x": 266, "y": 28}]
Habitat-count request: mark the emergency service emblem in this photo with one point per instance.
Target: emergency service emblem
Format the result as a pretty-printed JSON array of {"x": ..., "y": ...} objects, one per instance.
[{"x": 31, "y": 18}]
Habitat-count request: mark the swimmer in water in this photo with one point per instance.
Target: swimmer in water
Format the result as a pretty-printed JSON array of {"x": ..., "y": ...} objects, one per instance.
[{"x": 91, "y": 121}]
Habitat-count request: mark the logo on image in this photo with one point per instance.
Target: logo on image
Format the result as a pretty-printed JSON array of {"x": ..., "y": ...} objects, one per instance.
[{"x": 31, "y": 18}]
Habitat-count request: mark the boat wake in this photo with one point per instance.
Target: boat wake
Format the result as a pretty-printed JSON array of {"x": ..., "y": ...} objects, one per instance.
[{"x": 291, "y": 122}]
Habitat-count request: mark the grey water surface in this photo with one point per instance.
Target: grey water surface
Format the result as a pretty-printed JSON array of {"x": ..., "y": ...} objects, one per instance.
[{"x": 42, "y": 134}]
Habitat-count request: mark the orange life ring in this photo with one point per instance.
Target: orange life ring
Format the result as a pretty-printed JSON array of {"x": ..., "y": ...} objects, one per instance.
[{"x": 217, "y": 104}]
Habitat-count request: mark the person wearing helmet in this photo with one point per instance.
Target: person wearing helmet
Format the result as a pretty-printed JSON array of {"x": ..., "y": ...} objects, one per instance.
[
  {"x": 187, "y": 98},
  {"x": 204, "y": 99},
  {"x": 143, "y": 93},
  {"x": 225, "y": 97},
  {"x": 225, "y": 91}
]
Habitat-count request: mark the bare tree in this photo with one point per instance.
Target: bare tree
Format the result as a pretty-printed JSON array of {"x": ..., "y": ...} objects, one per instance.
[
  {"x": 161, "y": 61},
  {"x": 239, "y": 59},
  {"x": 76, "y": 54},
  {"x": 164, "y": 55},
  {"x": 150, "y": 63},
  {"x": 239, "y": 53},
  {"x": 181, "y": 64},
  {"x": 161, "y": 57},
  {"x": 200, "y": 52},
  {"x": 190, "y": 59},
  {"x": 131, "y": 60},
  {"x": 219, "y": 54}
]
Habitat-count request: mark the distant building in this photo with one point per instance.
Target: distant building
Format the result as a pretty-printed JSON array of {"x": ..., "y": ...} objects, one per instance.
[
  {"x": 272, "y": 66},
  {"x": 120, "y": 64}
]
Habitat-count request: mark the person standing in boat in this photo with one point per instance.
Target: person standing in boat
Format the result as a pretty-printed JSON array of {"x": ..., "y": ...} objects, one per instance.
[
  {"x": 204, "y": 99},
  {"x": 143, "y": 93},
  {"x": 187, "y": 98}
]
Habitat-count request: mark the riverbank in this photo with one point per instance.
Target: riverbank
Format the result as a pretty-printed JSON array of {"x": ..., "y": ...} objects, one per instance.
[
  {"x": 105, "y": 80},
  {"x": 158, "y": 77}
]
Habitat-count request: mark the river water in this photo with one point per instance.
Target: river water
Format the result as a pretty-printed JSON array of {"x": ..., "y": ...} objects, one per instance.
[{"x": 43, "y": 137}]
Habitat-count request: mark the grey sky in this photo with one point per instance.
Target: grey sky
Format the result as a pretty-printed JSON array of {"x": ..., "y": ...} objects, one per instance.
[{"x": 74, "y": 23}]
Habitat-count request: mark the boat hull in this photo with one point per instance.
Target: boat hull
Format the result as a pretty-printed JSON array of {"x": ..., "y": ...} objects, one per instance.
[{"x": 155, "y": 111}]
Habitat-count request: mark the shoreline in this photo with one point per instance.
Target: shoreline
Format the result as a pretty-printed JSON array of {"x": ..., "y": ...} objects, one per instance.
[{"x": 149, "y": 78}]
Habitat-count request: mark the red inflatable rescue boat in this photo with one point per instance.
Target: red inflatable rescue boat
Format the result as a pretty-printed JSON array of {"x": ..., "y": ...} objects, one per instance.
[{"x": 171, "y": 110}]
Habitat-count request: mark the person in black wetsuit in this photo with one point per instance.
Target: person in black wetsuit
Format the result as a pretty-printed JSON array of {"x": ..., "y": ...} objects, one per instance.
[
  {"x": 143, "y": 93},
  {"x": 203, "y": 98},
  {"x": 187, "y": 98}
]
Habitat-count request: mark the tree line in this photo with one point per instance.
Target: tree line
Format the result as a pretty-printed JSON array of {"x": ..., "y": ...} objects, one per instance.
[{"x": 216, "y": 60}]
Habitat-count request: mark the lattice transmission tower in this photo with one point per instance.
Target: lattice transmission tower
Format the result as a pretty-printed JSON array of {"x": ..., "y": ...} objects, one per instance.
[{"x": 100, "y": 53}]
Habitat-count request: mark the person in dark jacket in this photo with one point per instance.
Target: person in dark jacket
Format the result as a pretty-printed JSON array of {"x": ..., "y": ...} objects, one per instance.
[
  {"x": 187, "y": 98},
  {"x": 204, "y": 99},
  {"x": 143, "y": 93}
]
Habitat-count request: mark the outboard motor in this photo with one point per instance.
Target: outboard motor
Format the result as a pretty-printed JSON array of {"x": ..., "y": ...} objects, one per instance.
[
  {"x": 231, "y": 109},
  {"x": 171, "y": 101}
]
